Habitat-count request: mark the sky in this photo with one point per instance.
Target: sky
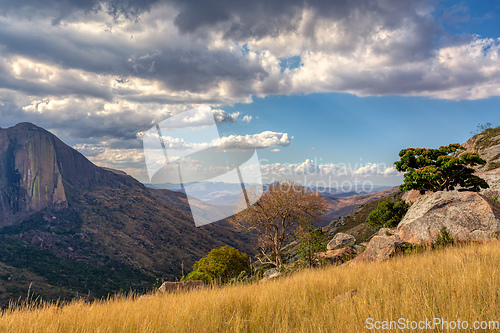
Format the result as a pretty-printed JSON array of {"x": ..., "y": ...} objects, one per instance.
[{"x": 314, "y": 86}]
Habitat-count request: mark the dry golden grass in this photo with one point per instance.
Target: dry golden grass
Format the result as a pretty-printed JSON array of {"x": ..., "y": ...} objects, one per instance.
[{"x": 455, "y": 283}]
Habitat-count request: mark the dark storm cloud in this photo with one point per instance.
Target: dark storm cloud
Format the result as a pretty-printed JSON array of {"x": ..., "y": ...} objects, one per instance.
[
  {"x": 59, "y": 9},
  {"x": 257, "y": 19},
  {"x": 192, "y": 51},
  {"x": 75, "y": 126},
  {"x": 191, "y": 66},
  {"x": 240, "y": 19},
  {"x": 186, "y": 67}
]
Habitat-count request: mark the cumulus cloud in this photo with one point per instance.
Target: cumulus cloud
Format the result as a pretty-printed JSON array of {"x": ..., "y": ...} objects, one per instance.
[
  {"x": 313, "y": 168},
  {"x": 265, "y": 139},
  {"x": 100, "y": 72}
]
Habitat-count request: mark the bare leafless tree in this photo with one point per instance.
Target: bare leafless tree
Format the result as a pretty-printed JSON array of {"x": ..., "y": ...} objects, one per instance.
[{"x": 277, "y": 214}]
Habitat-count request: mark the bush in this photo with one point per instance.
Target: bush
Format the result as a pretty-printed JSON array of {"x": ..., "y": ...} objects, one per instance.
[
  {"x": 195, "y": 275},
  {"x": 242, "y": 278},
  {"x": 444, "y": 238},
  {"x": 311, "y": 243},
  {"x": 220, "y": 265},
  {"x": 494, "y": 198},
  {"x": 388, "y": 214}
]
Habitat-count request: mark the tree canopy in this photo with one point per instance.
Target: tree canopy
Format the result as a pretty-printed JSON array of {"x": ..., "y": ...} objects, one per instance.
[
  {"x": 442, "y": 169},
  {"x": 220, "y": 265},
  {"x": 388, "y": 214}
]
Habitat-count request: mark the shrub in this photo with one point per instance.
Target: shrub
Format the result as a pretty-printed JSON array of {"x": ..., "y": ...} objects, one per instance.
[
  {"x": 410, "y": 248},
  {"x": 311, "y": 243},
  {"x": 241, "y": 278},
  {"x": 220, "y": 265},
  {"x": 444, "y": 238},
  {"x": 388, "y": 214},
  {"x": 494, "y": 198},
  {"x": 196, "y": 275}
]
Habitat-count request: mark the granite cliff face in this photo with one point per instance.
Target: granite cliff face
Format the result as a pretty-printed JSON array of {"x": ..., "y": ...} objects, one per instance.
[{"x": 30, "y": 173}]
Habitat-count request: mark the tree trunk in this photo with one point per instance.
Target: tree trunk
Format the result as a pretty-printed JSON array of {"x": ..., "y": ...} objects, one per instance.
[{"x": 279, "y": 260}]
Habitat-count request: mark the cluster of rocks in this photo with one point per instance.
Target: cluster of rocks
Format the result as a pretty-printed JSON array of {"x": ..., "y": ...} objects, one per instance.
[
  {"x": 467, "y": 216},
  {"x": 332, "y": 228}
]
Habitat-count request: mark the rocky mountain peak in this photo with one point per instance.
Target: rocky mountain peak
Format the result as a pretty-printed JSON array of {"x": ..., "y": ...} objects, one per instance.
[{"x": 34, "y": 164}]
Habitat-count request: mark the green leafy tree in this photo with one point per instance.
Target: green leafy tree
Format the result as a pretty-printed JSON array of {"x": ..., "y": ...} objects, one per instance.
[
  {"x": 441, "y": 169},
  {"x": 311, "y": 242},
  {"x": 196, "y": 275},
  {"x": 220, "y": 265},
  {"x": 388, "y": 214}
]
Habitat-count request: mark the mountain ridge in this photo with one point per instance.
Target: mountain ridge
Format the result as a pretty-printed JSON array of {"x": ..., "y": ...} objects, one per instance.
[{"x": 90, "y": 223}]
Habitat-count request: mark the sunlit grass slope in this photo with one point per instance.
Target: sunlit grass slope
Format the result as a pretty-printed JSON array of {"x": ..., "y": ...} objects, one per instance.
[{"x": 454, "y": 283}]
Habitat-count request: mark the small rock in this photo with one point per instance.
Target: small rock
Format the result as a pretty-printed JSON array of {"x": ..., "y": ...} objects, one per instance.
[
  {"x": 270, "y": 274},
  {"x": 359, "y": 247},
  {"x": 37, "y": 241},
  {"x": 381, "y": 248},
  {"x": 339, "y": 256},
  {"x": 388, "y": 232},
  {"x": 341, "y": 240},
  {"x": 332, "y": 231}
]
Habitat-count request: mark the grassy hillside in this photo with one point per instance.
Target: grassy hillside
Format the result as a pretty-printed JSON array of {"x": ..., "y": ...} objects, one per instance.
[{"x": 454, "y": 283}]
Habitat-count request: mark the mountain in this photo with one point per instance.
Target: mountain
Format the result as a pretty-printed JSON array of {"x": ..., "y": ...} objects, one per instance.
[
  {"x": 345, "y": 205},
  {"x": 72, "y": 227},
  {"x": 219, "y": 193}
]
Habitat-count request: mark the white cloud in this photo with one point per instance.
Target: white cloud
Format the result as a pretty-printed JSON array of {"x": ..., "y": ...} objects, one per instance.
[
  {"x": 265, "y": 139},
  {"x": 247, "y": 118},
  {"x": 312, "y": 167}
]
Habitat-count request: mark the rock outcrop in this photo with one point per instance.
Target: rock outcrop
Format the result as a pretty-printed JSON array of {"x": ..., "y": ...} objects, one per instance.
[
  {"x": 339, "y": 256},
  {"x": 466, "y": 215},
  {"x": 487, "y": 145},
  {"x": 493, "y": 179},
  {"x": 341, "y": 240},
  {"x": 380, "y": 248}
]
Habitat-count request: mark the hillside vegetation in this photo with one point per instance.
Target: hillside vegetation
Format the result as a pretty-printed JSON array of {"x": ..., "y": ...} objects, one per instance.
[
  {"x": 452, "y": 283},
  {"x": 487, "y": 145}
]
